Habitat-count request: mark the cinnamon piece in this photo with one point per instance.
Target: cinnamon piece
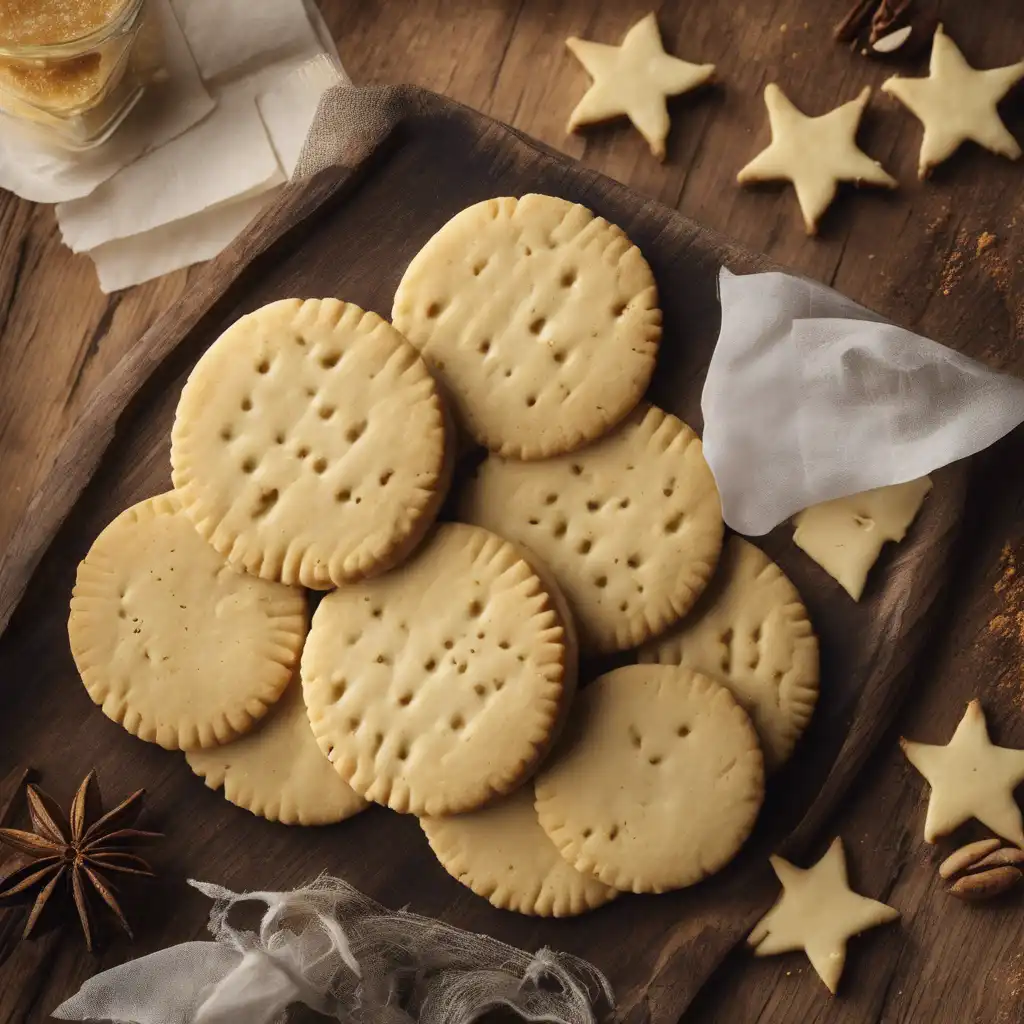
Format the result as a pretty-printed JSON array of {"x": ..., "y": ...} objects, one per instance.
[{"x": 855, "y": 21}]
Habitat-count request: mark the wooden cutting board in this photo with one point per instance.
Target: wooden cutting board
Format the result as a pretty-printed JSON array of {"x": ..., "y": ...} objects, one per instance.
[{"x": 350, "y": 232}]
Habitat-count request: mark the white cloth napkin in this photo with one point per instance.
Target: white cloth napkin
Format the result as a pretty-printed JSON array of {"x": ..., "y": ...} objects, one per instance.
[
  {"x": 44, "y": 174},
  {"x": 185, "y": 203},
  {"x": 181, "y": 243},
  {"x": 811, "y": 397},
  {"x": 228, "y": 156},
  {"x": 232, "y": 36}
]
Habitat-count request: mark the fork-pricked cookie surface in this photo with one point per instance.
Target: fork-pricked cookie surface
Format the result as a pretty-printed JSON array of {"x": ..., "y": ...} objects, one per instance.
[
  {"x": 309, "y": 444},
  {"x": 658, "y": 780},
  {"x": 630, "y": 527},
  {"x": 439, "y": 686},
  {"x": 540, "y": 319},
  {"x": 750, "y": 632},
  {"x": 503, "y": 855},
  {"x": 172, "y": 642}
]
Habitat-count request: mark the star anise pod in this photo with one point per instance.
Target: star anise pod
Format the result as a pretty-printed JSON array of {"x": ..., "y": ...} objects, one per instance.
[{"x": 70, "y": 854}]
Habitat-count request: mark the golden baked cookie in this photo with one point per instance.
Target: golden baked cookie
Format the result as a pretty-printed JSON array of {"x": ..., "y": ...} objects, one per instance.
[
  {"x": 438, "y": 687},
  {"x": 630, "y": 527},
  {"x": 278, "y": 771},
  {"x": 845, "y": 536},
  {"x": 309, "y": 444},
  {"x": 540, "y": 319},
  {"x": 750, "y": 632},
  {"x": 658, "y": 782},
  {"x": 503, "y": 855},
  {"x": 171, "y": 641}
]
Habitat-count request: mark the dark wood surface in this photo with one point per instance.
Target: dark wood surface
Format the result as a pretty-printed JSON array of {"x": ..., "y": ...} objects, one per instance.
[
  {"x": 351, "y": 232},
  {"x": 919, "y": 256}
]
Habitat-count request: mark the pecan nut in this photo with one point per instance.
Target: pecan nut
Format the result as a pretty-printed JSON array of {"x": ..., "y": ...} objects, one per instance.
[{"x": 982, "y": 870}]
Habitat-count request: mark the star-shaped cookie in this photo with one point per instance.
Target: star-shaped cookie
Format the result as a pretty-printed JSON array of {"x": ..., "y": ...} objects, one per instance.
[
  {"x": 970, "y": 778},
  {"x": 633, "y": 80},
  {"x": 818, "y": 913},
  {"x": 957, "y": 103},
  {"x": 814, "y": 153}
]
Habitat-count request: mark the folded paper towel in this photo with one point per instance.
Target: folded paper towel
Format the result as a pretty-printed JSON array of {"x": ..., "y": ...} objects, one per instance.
[
  {"x": 199, "y": 230},
  {"x": 175, "y": 181},
  {"x": 204, "y": 150},
  {"x": 810, "y": 397}
]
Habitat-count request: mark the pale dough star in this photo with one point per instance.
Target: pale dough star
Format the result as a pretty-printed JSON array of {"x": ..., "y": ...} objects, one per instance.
[
  {"x": 970, "y": 778},
  {"x": 957, "y": 103},
  {"x": 814, "y": 153},
  {"x": 818, "y": 913},
  {"x": 634, "y": 79}
]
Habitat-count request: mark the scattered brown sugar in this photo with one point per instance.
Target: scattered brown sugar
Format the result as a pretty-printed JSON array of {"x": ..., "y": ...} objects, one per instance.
[
  {"x": 44, "y": 22},
  {"x": 1007, "y": 570},
  {"x": 1008, "y": 624},
  {"x": 953, "y": 267},
  {"x": 1001, "y": 274},
  {"x": 994, "y": 263},
  {"x": 986, "y": 252}
]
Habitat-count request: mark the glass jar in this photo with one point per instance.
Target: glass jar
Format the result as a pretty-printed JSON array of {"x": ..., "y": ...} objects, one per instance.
[{"x": 71, "y": 70}]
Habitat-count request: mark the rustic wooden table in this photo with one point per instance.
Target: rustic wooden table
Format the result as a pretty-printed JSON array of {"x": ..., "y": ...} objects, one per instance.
[{"x": 945, "y": 258}]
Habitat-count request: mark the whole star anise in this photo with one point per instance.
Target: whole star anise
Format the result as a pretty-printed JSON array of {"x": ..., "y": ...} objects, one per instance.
[{"x": 68, "y": 854}]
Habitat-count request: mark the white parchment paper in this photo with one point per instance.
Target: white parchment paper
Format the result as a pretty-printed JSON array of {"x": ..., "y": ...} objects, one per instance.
[{"x": 810, "y": 397}]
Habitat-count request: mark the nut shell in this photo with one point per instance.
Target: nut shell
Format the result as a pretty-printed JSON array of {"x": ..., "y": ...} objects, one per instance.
[
  {"x": 967, "y": 856},
  {"x": 1008, "y": 856},
  {"x": 986, "y": 885}
]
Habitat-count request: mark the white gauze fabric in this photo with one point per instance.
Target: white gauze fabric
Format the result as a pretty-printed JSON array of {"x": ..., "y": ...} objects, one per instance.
[
  {"x": 338, "y": 952},
  {"x": 810, "y": 397}
]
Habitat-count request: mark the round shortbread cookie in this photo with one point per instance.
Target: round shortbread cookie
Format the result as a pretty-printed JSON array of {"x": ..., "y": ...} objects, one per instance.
[
  {"x": 502, "y": 854},
  {"x": 750, "y": 632},
  {"x": 278, "y": 771},
  {"x": 631, "y": 527},
  {"x": 439, "y": 686},
  {"x": 658, "y": 783},
  {"x": 309, "y": 444},
  {"x": 540, "y": 319},
  {"x": 175, "y": 644}
]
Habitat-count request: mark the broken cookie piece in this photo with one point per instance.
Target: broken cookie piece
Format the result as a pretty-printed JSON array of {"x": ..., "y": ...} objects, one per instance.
[{"x": 845, "y": 536}]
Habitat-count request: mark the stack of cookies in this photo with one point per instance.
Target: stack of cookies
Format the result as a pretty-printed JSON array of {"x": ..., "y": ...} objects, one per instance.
[{"x": 313, "y": 447}]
